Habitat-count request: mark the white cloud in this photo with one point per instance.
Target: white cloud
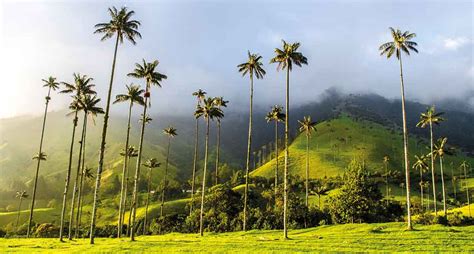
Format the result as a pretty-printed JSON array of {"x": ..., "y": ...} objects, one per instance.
[{"x": 455, "y": 43}]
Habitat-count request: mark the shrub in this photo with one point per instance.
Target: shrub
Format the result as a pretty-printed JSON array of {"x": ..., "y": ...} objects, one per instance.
[{"x": 47, "y": 230}]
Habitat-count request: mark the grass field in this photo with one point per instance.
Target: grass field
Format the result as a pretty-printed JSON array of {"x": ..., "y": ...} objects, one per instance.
[{"x": 386, "y": 237}]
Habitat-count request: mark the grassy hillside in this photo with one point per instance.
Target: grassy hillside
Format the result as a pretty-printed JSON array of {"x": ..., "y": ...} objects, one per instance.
[{"x": 386, "y": 237}]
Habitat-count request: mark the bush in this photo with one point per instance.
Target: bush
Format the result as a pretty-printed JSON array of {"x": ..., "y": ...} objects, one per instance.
[
  {"x": 47, "y": 230},
  {"x": 2, "y": 233}
]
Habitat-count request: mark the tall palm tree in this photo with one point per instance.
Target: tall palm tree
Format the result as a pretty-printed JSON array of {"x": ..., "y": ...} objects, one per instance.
[
  {"x": 121, "y": 26},
  {"x": 219, "y": 102},
  {"x": 81, "y": 87},
  {"x": 402, "y": 43},
  {"x": 209, "y": 111},
  {"x": 440, "y": 150},
  {"x": 133, "y": 95},
  {"x": 464, "y": 165},
  {"x": 51, "y": 84},
  {"x": 150, "y": 164},
  {"x": 146, "y": 71},
  {"x": 131, "y": 153},
  {"x": 276, "y": 115},
  {"x": 386, "y": 160},
  {"x": 286, "y": 57},
  {"x": 170, "y": 132},
  {"x": 253, "y": 67},
  {"x": 429, "y": 118},
  {"x": 307, "y": 127},
  {"x": 88, "y": 104},
  {"x": 421, "y": 165},
  {"x": 321, "y": 190},
  {"x": 20, "y": 195},
  {"x": 200, "y": 95}
]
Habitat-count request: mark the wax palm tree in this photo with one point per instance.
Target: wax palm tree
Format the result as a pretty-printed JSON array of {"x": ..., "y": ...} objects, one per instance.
[
  {"x": 150, "y": 164},
  {"x": 51, "y": 84},
  {"x": 276, "y": 115},
  {"x": 170, "y": 132},
  {"x": 132, "y": 152},
  {"x": 307, "y": 126},
  {"x": 220, "y": 103},
  {"x": 430, "y": 118},
  {"x": 253, "y": 67},
  {"x": 440, "y": 149},
  {"x": 20, "y": 195},
  {"x": 146, "y": 71},
  {"x": 402, "y": 43},
  {"x": 121, "y": 25},
  {"x": 421, "y": 165},
  {"x": 285, "y": 58},
  {"x": 133, "y": 95},
  {"x": 464, "y": 165},
  {"x": 199, "y": 94},
  {"x": 82, "y": 86},
  {"x": 386, "y": 160},
  {"x": 209, "y": 111},
  {"x": 321, "y": 190},
  {"x": 88, "y": 104}
]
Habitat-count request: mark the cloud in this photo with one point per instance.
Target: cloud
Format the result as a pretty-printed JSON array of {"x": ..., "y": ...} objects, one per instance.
[{"x": 455, "y": 43}]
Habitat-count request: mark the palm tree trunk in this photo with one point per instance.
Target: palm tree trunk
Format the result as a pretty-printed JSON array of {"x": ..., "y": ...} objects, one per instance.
[
  {"x": 218, "y": 148},
  {"x": 405, "y": 146},
  {"x": 137, "y": 170},
  {"x": 125, "y": 200},
  {"x": 196, "y": 142},
  {"x": 81, "y": 184},
  {"x": 125, "y": 164},
  {"x": 33, "y": 198},
  {"x": 18, "y": 216},
  {"x": 147, "y": 202},
  {"x": 249, "y": 147},
  {"x": 307, "y": 171},
  {"x": 467, "y": 190},
  {"x": 421, "y": 187},
  {"x": 443, "y": 186},
  {"x": 164, "y": 179},
  {"x": 453, "y": 181},
  {"x": 76, "y": 181},
  {"x": 386, "y": 181},
  {"x": 102, "y": 148},
  {"x": 276, "y": 159},
  {"x": 68, "y": 177},
  {"x": 203, "y": 191},
  {"x": 433, "y": 175},
  {"x": 285, "y": 173}
]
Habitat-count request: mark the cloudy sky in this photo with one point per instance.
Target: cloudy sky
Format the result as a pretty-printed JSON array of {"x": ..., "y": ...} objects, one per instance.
[{"x": 199, "y": 44}]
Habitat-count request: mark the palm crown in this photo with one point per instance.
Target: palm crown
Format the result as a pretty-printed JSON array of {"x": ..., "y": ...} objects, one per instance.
[
  {"x": 307, "y": 125},
  {"x": 147, "y": 72},
  {"x": 120, "y": 24},
  {"x": 88, "y": 104},
  {"x": 21, "y": 194},
  {"x": 134, "y": 95},
  {"x": 208, "y": 110},
  {"x": 82, "y": 85},
  {"x": 401, "y": 42},
  {"x": 288, "y": 55},
  {"x": 131, "y": 152},
  {"x": 386, "y": 159},
  {"x": 440, "y": 148},
  {"x": 200, "y": 95},
  {"x": 40, "y": 156},
  {"x": 152, "y": 163},
  {"x": 253, "y": 66},
  {"x": 420, "y": 162},
  {"x": 170, "y": 131},
  {"x": 430, "y": 116},
  {"x": 275, "y": 114},
  {"x": 51, "y": 83}
]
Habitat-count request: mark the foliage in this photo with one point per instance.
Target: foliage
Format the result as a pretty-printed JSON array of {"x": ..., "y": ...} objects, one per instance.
[{"x": 47, "y": 230}]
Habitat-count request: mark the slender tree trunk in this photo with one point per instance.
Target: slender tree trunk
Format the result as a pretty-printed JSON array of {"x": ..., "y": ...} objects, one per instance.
[
  {"x": 81, "y": 183},
  {"x": 453, "y": 181},
  {"x": 76, "y": 181},
  {"x": 125, "y": 199},
  {"x": 203, "y": 191},
  {"x": 18, "y": 216},
  {"x": 124, "y": 170},
  {"x": 386, "y": 181},
  {"x": 249, "y": 147},
  {"x": 196, "y": 142},
  {"x": 445, "y": 209},
  {"x": 467, "y": 190},
  {"x": 102, "y": 148},
  {"x": 166, "y": 174},
  {"x": 33, "y": 198},
  {"x": 276, "y": 159},
  {"x": 421, "y": 187},
  {"x": 285, "y": 173},
  {"x": 433, "y": 174},
  {"x": 405, "y": 147},
  {"x": 218, "y": 149},
  {"x": 68, "y": 177},
  {"x": 137, "y": 170},
  {"x": 307, "y": 171},
  {"x": 147, "y": 202}
]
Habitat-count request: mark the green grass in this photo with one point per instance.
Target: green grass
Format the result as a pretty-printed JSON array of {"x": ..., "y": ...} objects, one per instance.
[{"x": 386, "y": 237}]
